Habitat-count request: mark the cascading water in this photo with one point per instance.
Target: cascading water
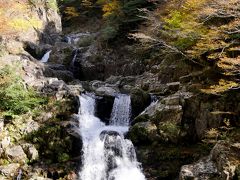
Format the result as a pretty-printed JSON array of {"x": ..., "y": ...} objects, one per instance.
[
  {"x": 106, "y": 154},
  {"x": 120, "y": 115},
  {"x": 46, "y": 57},
  {"x": 75, "y": 52}
]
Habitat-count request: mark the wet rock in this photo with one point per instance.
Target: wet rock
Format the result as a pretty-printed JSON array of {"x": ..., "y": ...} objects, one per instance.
[
  {"x": 104, "y": 108},
  {"x": 104, "y": 133},
  {"x": 61, "y": 54},
  {"x": 75, "y": 90},
  {"x": 139, "y": 101},
  {"x": 64, "y": 75},
  {"x": 107, "y": 91},
  {"x": 16, "y": 154},
  {"x": 10, "y": 169}
]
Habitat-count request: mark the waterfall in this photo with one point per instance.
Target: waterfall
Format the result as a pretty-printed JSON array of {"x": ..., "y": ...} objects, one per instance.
[
  {"x": 121, "y": 112},
  {"x": 107, "y": 155},
  {"x": 74, "y": 58},
  {"x": 46, "y": 57}
]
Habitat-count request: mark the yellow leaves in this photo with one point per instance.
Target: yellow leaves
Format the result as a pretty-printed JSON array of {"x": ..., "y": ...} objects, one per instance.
[
  {"x": 222, "y": 86},
  {"x": 71, "y": 12},
  {"x": 110, "y": 8},
  {"x": 212, "y": 133}
]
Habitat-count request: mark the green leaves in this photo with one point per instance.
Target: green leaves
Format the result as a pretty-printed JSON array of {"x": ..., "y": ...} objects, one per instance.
[{"x": 15, "y": 98}]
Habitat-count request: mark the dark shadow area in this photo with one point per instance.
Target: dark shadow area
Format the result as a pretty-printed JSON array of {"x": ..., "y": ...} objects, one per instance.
[{"x": 104, "y": 108}]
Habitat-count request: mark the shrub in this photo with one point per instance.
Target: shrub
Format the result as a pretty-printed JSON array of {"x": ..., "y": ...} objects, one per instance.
[{"x": 15, "y": 97}]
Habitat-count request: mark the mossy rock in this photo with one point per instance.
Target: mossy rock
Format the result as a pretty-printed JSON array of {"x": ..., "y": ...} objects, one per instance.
[
  {"x": 143, "y": 133},
  {"x": 52, "y": 142},
  {"x": 141, "y": 118}
]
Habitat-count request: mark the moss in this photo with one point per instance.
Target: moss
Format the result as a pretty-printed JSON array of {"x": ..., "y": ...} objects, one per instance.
[
  {"x": 52, "y": 4},
  {"x": 86, "y": 41},
  {"x": 4, "y": 162},
  {"x": 21, "y": 24},
  {"x": 221, "y": 86},
  {"x": 63, "y": 157},
  {"x": 170, "y": 128},
  {"x": 141, "y": 118},
  {"x": 52, "y": 142},
  {"x": 138, "y": 135}
]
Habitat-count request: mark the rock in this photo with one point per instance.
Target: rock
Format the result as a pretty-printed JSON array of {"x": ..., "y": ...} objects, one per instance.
[
  {"x": 143, "y": 133},
  {"x": 106, "y": 91},
  {"x": 108, "y": 133},
  {"x": 31, "y": 126},
  {"x": 139, "y": 101},
  {"x": 30, "y": 151},
  {"x": 1, "y": 125},
  {"x": 5, "y": 142},
  {"x": 10, "y": 169},
  {"x": 75, "y": 90},
  {"x": 171, "y": 100},
  {"x": 173, "y": 86},
  {"x": 16, "y": 154},
  {"x": 114, "y": 79},
  {"x": 57, "y": 67},
  {"x": 72, "y": 176},
  {"x": 61, "y": 54},
  {"x": 35, "y": 50},
  {"x": 96, "y": 84},
  {"x": 203, "y": 169},
  {"x": 64, "y": 75},
  {"x": 43, "y": 117},
  {"x": 222, "y": 164},
  {"x": 233, "y": 52},
  {"x": 14, "y": 47},
  {"x": 104, "y": 108}
]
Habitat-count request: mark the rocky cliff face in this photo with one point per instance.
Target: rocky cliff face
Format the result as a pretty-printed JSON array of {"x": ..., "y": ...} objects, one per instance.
[
  {"x": 35, "y": 136},
  {"x": 181, "y": 106}
]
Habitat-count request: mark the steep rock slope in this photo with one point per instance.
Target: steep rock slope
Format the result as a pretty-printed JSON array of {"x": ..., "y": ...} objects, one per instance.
[{"x": 36, "y": 107}]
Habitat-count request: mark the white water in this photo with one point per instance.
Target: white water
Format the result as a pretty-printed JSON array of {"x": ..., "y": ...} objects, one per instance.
[
  {"x": 106, "y": 154},
  {"x": 46, "y": 57},
  {"x": 74, "y": 58},
  {"x": 120, "y": 115}
]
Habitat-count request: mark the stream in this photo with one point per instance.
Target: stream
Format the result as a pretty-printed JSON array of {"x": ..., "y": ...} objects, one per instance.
[{"x": 107, "y": 155}]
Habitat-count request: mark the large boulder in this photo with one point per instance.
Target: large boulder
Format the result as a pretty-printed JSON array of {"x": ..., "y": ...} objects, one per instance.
[
  {"x": 9, "y": 170},
  {"x": 143, "y": 133},
  {"x": 16, "y": 154},
  {"x": 166, "y": 115},
  {"x": 222, "y": 163}
]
